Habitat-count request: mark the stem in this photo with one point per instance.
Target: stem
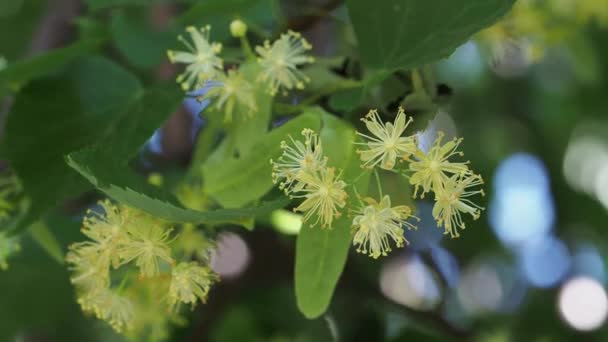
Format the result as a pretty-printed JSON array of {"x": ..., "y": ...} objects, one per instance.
[
  {"x": 360, "y": 175},
  {"x": 417, "y": 82},
  {"x": 247, "y": 48},
  {"x": 122, "y": 284},
  {"x": 378, "y": 184}
]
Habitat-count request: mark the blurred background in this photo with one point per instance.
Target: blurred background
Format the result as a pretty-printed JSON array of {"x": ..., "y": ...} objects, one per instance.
[{"x": 529, "y": 97}]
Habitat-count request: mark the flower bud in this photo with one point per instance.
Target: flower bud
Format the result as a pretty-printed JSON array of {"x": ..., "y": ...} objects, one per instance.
[{"x": 238, "y": 28}]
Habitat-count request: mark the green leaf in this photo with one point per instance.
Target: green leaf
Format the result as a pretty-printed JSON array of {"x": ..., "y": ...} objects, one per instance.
[
  {"x": 95, "y": 5},
  {"x": 321, "y": 253},
  {"x": 105, "y": 165},
  {"x": 347, "y": 99},
  {"x": 132, "y": 129},
  {"x": 55, "y": 116},
  {"x": 138, "y": 42},
  {"x": 404, "y": 34},
  {"x": 18, "y": 21},
  {"x": 235, "y": 182},
  {"x": 122, "y": 185},
  {"x": 19, "y": 73}
]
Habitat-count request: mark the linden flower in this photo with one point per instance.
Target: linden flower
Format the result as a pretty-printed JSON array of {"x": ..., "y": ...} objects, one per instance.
[
  {"x": 377, "y": 224},
  {"x": 453, "y": 201},
  {"x": 234, "y": 90},
  {"x": 89, "y": 265},
  {"x": 8, "y": 247},
  {"x": 106, "y": 229},
  {"x": 324, "y": 194},
  {"x": 190, "y": 282},
  {"x": 298, "y": 158},
  {"x": 280, "y": 60},
  {"x": 148, "y": 245},
  {"x": 109, "y": 306},
  {"x": 387, "y": 143},
  {"x": 203, "y": 64},
  {"x": 430, "y": 168}
]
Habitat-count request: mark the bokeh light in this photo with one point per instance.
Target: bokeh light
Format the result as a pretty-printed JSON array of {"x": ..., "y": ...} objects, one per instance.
[
  {"x": 587, "y": 261},
  {"x": 408, "y": 281},
  {"x": 231, "y": 257},
  {"x": 544, "y": 261},
  {"x": 446, "y": 264},
  {"x": 442, "y": 122},
  {"x": 480, "y": 289},
  {"x": 522, "y": 206},
  {"x": 583, "y": 303},
  {"x": 428, "y": 234},
  {"x": 586, "y": 162},
  {"x": 464, "y": 67}
]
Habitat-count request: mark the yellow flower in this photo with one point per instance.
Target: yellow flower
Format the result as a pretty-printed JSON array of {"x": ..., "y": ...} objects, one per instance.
[
  {"x": 280, "y": 61},
  {"x": 8, "y": 247},
  {"x": 147, "y": 244},
  {"x": 454, "y": 199},
  {"x": 90, "y": 266},
  {"x": 430, "y": 168},
  {"x": 377, "y": 224},
  {"x": 106, "y": 229},
  {"x": 386, "y": 144},
  {"x": 189, "y": 282},
  {"x": 202, "y": 62},
  {"x": 324, "y": 194},
  {"x": 298, "y": 158},
  {"x": 110, "y": 307},
  {"x": 234, "y": 90}
]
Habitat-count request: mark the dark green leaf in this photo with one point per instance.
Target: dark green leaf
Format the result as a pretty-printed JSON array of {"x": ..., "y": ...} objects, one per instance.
[
  {"x": 18, "y": 21},
  {"x": 145, "y": 116},
  {"x": 17, "y": 74},
  {"x": 347, "y": 99},
  {"x": 141, "y": 45},
  {"x": 119, "y": 183},
  {"x": 219, "y": 13},
  {"x": 321, "y": 253},
  {"x": 248, "y": 178},
  {"x": 101, "y": 4},
  {"x": 55, "y": 116},
  {"x": 404, "y": 34},
  {"x": 212, "y": 8}
]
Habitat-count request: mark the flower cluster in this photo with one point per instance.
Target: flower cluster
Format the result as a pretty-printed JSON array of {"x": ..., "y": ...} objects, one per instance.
[
  {"x": 433, "y": 170},
  {"x": 140, "y": 248},
  {"x": 276, "y": 67},
  {"x": 302, "y": 172}
]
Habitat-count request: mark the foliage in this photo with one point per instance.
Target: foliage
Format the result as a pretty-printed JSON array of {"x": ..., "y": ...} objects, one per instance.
[{"x": 280, "y": 125}]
